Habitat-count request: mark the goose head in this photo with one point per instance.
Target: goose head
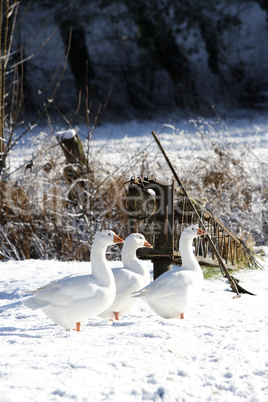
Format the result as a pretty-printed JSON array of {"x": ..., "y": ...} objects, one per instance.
[
  {"x": 191, "y": 232},
  {"x": 108, "y": 237},
  {"x": 137, "y": 240}
]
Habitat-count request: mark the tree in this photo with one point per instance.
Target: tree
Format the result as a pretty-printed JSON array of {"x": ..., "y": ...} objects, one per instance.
[
  {"x": 8, "y": 17},
  {"x": 12, "y": 78}
]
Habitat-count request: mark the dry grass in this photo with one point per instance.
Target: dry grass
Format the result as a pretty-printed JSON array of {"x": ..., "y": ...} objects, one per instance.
[
  {"x": 43, "y": 215},
  {"x": 236, "y": 193},
  {"x": 54, "y": 225}
]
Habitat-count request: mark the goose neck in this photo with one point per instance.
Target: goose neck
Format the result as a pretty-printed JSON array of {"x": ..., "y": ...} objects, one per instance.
[
  {"x": 99, "y": 265},
  {"x": 130, "y": 259},
  {"x": 187, "y": 255}
]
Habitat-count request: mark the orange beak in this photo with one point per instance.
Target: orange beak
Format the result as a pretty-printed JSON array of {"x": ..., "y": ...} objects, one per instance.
[
  {"x": 118, "y": 239},
  {"x": 147, "y": 244},
  {"x": 200, "y": 232}
]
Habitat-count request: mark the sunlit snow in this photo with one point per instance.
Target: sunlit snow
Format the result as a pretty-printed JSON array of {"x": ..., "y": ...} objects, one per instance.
[{"x": 219, "y": 352}]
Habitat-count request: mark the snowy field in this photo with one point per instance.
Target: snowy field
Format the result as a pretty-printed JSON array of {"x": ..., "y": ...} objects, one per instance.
[
  {"x": 219, "y": 352},
  {"x": 117, "y": 144}
]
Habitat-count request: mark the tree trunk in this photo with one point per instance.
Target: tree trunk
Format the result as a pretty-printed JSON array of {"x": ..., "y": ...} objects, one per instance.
[{"x": 4, "y": 5}]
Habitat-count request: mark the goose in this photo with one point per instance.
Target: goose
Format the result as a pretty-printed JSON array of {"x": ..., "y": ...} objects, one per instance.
[
  {"x": 131, "y": 277},
  {"x": 70, "y": 301},
  {"x": 172, "y": 292}
]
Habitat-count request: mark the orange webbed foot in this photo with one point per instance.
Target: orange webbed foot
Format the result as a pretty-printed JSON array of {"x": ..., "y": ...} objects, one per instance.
[{"x": 116, "y": 315}]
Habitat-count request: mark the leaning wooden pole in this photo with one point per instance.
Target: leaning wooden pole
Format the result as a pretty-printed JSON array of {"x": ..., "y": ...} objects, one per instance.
[{"x": 233, "y": 282}]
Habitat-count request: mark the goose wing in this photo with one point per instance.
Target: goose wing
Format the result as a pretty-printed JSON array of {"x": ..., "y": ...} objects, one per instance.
[
  {"x": 63, "y": 291},
  {"x": 166, "y": 285}
]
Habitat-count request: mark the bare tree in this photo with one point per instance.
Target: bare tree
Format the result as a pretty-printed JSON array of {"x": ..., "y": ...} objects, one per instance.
[
  {"x": 12, "y": 78},
  {"x": 8, "y": 13}
]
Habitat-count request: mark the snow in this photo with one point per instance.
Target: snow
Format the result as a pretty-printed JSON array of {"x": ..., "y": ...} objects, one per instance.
[
  {"x": 219, "y": 352},
  {"x": 179, "y": 136},
  {"x": 65, "y": 134},
  {"x": 126, "y": 149}
]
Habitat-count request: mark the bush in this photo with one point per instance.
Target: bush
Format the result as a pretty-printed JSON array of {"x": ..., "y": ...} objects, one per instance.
[{"x": 45, "y": 215}]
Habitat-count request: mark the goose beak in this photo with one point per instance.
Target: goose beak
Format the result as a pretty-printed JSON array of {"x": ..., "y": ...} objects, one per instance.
[
  {"x": 147, "y": 244},
  {"x": 118, "y": 239},
  {"x": 200, "y": 232}
]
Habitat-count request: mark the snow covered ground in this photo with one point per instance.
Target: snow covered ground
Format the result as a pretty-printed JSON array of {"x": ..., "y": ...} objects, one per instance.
[{"x": 219, "y": 352}]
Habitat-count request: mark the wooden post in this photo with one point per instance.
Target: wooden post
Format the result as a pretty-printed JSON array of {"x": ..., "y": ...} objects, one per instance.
[
  {"x": 72, "y": 147},
  {"x": 77, "y": 170}
]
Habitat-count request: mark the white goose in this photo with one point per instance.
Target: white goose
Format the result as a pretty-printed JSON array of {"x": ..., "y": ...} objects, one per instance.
[
  {"x": 131, "y": 277},
  {"x": 172, "y": 292},
  {"x": 72, "y": 300}
]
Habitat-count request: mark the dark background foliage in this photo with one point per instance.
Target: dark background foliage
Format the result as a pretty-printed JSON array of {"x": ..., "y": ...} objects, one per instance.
[{"x": 146, "y": 57}]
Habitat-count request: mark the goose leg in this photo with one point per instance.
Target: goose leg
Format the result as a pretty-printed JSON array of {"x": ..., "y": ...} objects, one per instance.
[
  {"x": 78, "y": 325},
  {"x": 116, "y": 315},
  {"x": 182, "y": 316}
]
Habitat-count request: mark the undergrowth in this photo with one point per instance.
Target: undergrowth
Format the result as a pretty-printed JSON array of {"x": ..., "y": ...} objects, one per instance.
[
  {"x": 231, "y": 177},
  {"x": 44, "y": 215}
]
